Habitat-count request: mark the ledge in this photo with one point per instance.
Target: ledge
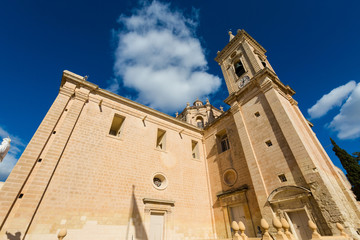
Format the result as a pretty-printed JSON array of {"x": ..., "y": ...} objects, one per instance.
[
  {"x": 243, "y": 188},
  {"x": 158, "y": 201},
  {"x": 82, "y": 82}
]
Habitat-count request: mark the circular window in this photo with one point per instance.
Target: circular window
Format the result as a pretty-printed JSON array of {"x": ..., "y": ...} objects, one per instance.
[
  {"x": 159, "y": 181},
  {"x": 230, "y": 177}
]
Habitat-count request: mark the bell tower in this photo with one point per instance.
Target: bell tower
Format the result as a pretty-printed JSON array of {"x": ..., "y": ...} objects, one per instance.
[
  {"x": 241, "y": 60},
  {"x": 283, "y": 155}
]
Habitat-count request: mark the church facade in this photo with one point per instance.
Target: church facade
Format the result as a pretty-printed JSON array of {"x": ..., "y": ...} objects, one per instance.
[{"x": 105, "y": 167}]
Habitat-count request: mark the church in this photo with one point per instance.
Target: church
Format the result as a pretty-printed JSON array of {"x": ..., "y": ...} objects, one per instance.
[{"x": 105, "y": 167}]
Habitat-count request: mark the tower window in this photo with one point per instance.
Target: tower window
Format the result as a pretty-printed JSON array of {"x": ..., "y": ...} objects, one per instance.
[
  {"x": 257, "y": 114},
  {"x": 200, "y": 122},
  {"x": 116, "y": 125},
  {"x": 263, "y": 63},
  {"x": 195, "y": 149},
  {"x": 239, "y": 68},
  {"x": 268, "y": 143},
  {"x": 161, "y": 139},
  {"x": 223, "y": 141}
]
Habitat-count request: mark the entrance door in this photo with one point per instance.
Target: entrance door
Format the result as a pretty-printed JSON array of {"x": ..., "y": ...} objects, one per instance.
[
  {"x": 237, "y": 214},
  {"x": 300, "y": 220},
  {"x": 156, "y": 226}
]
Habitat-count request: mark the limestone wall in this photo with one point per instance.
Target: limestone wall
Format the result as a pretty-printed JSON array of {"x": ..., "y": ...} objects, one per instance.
[
  {"x": 100, "y": 186},
  {"x": 219, "y": 163}
]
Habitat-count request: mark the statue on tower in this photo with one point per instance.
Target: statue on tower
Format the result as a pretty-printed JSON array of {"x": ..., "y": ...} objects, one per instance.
[{"x": 4, "y": 148}]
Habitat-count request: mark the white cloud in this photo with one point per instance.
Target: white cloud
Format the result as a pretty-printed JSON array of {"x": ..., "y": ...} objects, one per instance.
[
  {"x": 347, "y": 122},
  {"x": 16, "y": 147},
  {"x": 333, "y": 99},
  {"x": 159, "y": 56},
  {"x": 7, "y": 165}
]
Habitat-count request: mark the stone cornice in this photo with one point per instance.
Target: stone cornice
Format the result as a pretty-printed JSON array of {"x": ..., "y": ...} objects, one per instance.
[
  {"x": 158, "y": 201},
  {"x": 240, "y": 34},
  {"x": 80, "y": 82},
  {"x": 246, "y": 92},
  {"x": 242, "y": 188},
  {"x": 66, "y": 91}
]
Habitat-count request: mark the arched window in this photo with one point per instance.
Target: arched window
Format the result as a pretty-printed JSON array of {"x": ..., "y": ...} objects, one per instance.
[
  {"x": 239, "y": 68},
  {"x": 263, "y": 63},
  {"x": 200, "y": 122}
]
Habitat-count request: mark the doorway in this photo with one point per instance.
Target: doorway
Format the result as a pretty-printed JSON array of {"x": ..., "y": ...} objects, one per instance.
[
  {"x": 237, "y": 213},
  {"x": 156, "y": 226},
  {"x": 299, "y": 220}
]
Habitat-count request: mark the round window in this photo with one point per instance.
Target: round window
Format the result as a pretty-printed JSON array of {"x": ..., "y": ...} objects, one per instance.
[
  {"x": 230, "y": 177},
  {"x": 159, "y": 181}
]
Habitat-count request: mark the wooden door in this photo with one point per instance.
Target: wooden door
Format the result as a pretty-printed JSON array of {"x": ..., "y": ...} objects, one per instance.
[
  {"x": 299, "y": 221},
  {"x": 156, "y": 226},
  {"x": 237, "y": 214}
]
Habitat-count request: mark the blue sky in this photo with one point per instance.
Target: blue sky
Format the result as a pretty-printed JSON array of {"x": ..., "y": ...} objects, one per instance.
[{"x": 312, "y": 45}]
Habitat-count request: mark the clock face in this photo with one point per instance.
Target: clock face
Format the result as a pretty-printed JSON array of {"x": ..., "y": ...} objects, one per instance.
[{"x": 243, "y": 81}]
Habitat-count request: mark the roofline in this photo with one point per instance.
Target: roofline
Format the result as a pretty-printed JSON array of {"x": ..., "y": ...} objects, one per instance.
[{"x": 80, "y": 81}]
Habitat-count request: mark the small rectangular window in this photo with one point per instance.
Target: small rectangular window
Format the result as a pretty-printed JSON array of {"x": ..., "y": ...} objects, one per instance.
[
  {"x": 268, "y": 143},
  {"x": 161, "y": 139},
  {"x": 195, "y": 149},
  {"x": 116, "y": 125},
  {"x": 223, "y": 141},
  {"x": 282, "y": 178}
]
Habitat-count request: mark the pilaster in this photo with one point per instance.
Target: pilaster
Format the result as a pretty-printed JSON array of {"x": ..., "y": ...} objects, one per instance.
[
  {"x": 21, "y": 217},
  {"x": 27, "y": 162},
  {"x": 252, "y": 162}
]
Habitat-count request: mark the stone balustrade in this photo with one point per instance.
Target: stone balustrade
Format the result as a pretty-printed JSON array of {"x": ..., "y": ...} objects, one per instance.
[
  {"x": 62, "y": 233},
  {"x": 282, "y": 231},
  {"x": 316, "y": 235}
]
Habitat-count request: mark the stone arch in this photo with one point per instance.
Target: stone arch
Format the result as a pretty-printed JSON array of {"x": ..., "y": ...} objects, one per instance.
[
  {"x": 289, "y": 201},
  {"x": 285, "y": 193}
]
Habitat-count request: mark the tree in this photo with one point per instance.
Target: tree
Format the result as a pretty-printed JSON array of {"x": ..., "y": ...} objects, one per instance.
[{"x": 352, "y": 167}]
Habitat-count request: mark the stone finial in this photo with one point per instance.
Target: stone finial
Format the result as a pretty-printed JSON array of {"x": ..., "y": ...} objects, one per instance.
[
  {"x": 62, "y": 234},
  {"x": 277, "y": 224},
  {"x": 221, "y": 108},
  {"x": 176, "y": 114},
  {"x": 218, "y": 52},
  {"x": 86, "y": 77},
  {"x": 207, "y": 102},
  {"x": 231, "y": 36},
  {"x": 313, "y": 227},
  {"x": 236, "y": 228},
  {"x": 265, "y": 226},
  {"x": 187, "y": 104},
  {"x": 242, "y": 230},
  {"x": 286, "y": 227},
  {"x": 341, "y": 229},
  {"x": 238, "y": 31}
]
